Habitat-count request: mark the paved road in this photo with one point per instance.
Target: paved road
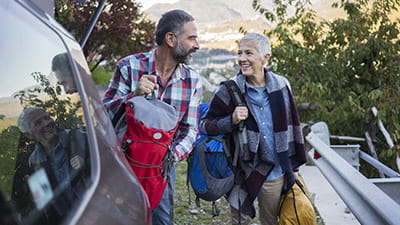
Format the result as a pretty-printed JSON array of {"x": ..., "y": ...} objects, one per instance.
[{"x": 329, "y": 205}]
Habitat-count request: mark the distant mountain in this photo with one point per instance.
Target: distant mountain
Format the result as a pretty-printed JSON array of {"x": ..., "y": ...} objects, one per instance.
[
  {"x": 218, "y": 20},
  {"x": 208, "y": 12}
]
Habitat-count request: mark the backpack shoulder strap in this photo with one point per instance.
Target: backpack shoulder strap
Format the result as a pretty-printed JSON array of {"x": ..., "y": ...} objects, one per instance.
[
  {"x": 118, "y": 115},
  {"x": 234, "y": 92},
  {"x": 240, "y": 138},
  {"x": 237, "y": 97}
]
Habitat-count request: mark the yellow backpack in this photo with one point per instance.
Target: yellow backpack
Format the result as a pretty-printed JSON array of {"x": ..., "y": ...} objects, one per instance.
[{"x": 295, "y": 208}]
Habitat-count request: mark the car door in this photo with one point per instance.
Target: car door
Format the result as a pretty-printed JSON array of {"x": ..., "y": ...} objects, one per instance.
[{"x": 60, "y": 161}]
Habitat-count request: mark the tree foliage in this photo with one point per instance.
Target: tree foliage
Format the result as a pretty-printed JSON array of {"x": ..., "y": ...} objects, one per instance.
[
  {"x": 121, "y": 29},
  {"x": 346, "y": 65},
  {"x": 66, "y": 112}
]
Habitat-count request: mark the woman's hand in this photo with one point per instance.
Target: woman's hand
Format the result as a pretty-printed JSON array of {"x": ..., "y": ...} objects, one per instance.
[
  {"x": 240, "y": 113},
  {"x": 296, "y": 175}
]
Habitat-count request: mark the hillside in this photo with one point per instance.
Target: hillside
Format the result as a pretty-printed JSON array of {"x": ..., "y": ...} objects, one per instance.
[
  {"x": 219, "y": 20},
  {"x": 208, "y": 12}
]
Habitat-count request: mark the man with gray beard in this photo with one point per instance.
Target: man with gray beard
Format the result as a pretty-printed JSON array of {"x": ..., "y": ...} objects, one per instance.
[{"x": 164, "y": 71}]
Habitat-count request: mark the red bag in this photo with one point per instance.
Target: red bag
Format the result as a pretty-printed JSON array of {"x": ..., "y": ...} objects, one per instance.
[{"x": 150, "y": 128}]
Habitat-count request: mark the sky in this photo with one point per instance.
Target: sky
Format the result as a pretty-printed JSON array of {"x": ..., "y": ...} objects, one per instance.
[{"x": 148, "y": 3}]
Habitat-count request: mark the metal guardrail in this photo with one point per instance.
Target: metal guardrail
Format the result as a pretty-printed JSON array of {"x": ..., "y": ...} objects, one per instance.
[
  {"x": 380, "y": 166},
  {"x": 368, "y": 202}
]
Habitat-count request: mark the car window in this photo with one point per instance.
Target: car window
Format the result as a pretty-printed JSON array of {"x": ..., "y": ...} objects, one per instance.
[
  {"x": 44, "y": 154},
  {"x": 97, "y": 112}
]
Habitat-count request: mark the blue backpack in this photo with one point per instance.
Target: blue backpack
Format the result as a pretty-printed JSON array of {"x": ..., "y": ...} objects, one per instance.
[
  {"x": 210, "y": 175},
  {"x": 212, "y": 166}
]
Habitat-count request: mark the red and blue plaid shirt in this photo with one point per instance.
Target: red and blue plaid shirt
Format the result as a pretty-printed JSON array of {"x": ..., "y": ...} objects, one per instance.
[{"x": 183, "y": 91}]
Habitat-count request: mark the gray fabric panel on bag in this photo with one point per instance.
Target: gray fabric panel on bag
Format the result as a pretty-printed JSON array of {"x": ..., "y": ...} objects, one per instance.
[
  {"x": 145, "y": 110},
  {"x": 217, "y": 187}
]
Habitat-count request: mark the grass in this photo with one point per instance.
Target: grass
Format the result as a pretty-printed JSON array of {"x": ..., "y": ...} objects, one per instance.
[
  {"x": 8, "y": 154},
  {"x": 101, "y": 76},
  {"x": 186, "y": 212},
  {"x": 7, "y": 122}
]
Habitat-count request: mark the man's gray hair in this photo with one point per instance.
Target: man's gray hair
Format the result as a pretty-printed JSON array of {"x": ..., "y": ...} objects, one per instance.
[
  {"x": 171, "y": 21},
  {"x": 23, "y": 121},
  {"x": 262, "y": 43}
]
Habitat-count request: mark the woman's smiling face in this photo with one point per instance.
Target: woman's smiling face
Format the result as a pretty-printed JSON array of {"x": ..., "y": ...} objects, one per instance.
[{"x": 250, "y": 60}]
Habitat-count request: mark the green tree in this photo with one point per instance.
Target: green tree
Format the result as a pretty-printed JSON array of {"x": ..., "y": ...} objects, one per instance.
[
  {"x": 121, "y": 29},
  {"x": 66, "y": 112},
  {"x": 345, "y": 66}
]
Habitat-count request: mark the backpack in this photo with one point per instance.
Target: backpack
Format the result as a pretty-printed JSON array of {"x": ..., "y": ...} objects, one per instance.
[
  {"x": 146, "y": 128},
  {"x": 213, "y": 164},
  {"x": 209, "y": 172},
  {"x": 295, "y": 207}
]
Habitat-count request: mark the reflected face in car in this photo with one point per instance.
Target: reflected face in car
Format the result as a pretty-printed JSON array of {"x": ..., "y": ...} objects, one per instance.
[
  {"x": 41, "y": 127},
  {"x": 67, "y": 81}
]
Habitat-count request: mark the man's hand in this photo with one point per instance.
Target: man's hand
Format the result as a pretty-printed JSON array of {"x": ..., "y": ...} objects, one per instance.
[
  {"x": 240, "y": 113},
  {"x": 147, "y": 84}
]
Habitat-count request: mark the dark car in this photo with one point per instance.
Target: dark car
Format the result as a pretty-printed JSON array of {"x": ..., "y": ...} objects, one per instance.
[{"x": 60, "y": 160}]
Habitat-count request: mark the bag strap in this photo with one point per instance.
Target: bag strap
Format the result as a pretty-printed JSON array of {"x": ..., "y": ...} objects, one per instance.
[
  {"x": 238, "y": 100},
  {"x": 120, "y": 112},
  {"x": 77, "y": 147},
  {"x": 235, "y": 93}
]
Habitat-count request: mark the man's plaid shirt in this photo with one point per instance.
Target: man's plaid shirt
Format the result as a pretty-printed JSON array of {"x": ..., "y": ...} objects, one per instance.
[{"x": 183, "y": 91}]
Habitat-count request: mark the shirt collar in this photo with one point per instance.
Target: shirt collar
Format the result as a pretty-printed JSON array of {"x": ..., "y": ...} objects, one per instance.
[
  {"x": 181, "y": 71},
  {"x": 241, "y": 80},
  {"x": 249, "y": 86}
]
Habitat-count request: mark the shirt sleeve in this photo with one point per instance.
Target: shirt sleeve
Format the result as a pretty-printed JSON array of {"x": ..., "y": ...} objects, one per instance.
[
  {"x": 188, "y": 127},
  {"x": 118, "y": 91}
]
